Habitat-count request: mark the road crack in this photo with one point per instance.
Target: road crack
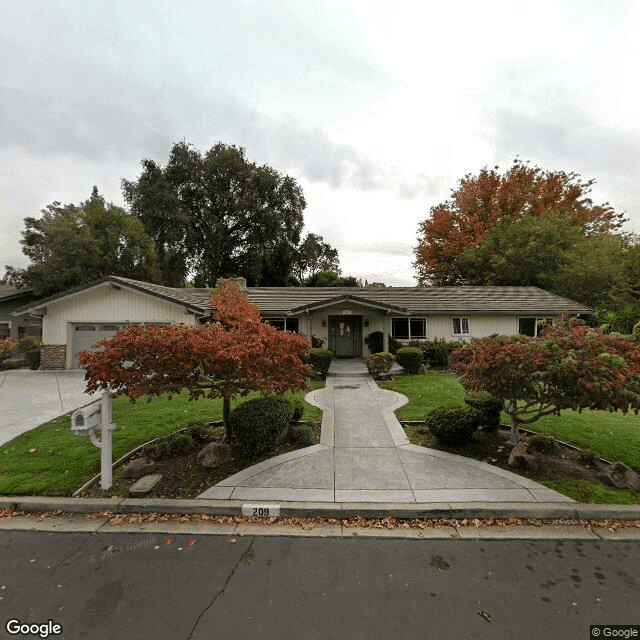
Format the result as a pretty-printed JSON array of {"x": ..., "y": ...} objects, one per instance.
[
  {"x": 247, "y": 554},
  {"x": 70, "y": 556}
]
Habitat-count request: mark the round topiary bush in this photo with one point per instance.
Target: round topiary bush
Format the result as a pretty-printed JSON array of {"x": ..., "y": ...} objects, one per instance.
[
  {"x": 379, "y": 363},
  {"x": 410, "y": 359},
  {"x": 320, "y": 359},
  {"x": 259, "y": 424},
  {"x": 453, "y": 425},
  {"x": 489, "y": 406}
]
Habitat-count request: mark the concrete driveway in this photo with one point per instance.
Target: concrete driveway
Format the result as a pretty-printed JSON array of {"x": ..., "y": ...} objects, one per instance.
[{"x": 29, "y": 398}]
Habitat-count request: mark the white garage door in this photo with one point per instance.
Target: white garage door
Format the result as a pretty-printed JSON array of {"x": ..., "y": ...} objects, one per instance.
[{"x": 86, "y": 335}]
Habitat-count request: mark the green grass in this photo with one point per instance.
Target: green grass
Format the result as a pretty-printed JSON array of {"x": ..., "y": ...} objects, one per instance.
[
  {"x": 425, "y": 392},
  {"x": 61, "y": 461},
  {"x": 587, "y": 491},
  {"x": 613, "y": 436}
]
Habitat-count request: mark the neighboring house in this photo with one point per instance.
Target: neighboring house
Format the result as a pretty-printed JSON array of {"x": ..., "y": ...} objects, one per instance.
[
  {"x": 12, "y": 326},
  {"x": 342, "y": 317}
]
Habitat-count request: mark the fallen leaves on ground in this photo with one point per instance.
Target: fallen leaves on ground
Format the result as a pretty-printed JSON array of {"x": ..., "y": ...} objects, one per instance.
[{"x": 308, "y": 523}]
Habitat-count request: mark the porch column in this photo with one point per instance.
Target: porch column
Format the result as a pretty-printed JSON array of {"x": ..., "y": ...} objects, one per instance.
[
  {"x": 385, "y": 334},
  {"x": 310, "y": 326}
]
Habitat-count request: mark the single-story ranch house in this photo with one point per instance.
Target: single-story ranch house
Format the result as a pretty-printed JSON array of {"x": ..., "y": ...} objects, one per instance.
[{"x": 340, "y": 316}]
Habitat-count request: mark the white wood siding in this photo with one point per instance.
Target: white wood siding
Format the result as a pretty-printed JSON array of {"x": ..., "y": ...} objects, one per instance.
[
  {"x": 479, "y": 326},
  {"x": 106, "y": 304}
]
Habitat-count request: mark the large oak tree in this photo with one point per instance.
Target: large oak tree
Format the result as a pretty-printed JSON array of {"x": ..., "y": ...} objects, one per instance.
[{"x": 217, "y": 215}]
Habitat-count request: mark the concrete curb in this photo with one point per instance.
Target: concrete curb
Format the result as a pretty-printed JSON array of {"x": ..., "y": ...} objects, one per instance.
[{"x": 339, "y": 510}]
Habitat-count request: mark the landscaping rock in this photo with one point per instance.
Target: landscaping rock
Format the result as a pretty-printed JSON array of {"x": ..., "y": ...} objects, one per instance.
[
  {"x": 214, "y": 454},
  {"x": 621, "y": 476},
  {"x": 138, "y": 468},
  {"x": 520, "y": 458}
]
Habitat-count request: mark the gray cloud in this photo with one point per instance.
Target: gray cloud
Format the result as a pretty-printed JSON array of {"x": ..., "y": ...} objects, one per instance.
[{"x": 565, "y": 137}]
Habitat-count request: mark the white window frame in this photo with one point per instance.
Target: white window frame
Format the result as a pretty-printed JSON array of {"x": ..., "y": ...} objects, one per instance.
[
  {"x": 461, "y": 320},
  {"x": 409, "y": 319},
  {"x": 536, "y": 325}
]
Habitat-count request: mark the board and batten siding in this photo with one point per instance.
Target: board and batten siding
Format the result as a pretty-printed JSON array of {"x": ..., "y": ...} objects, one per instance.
[
  {"x": 480, "y": 326},
  {"x": 106, "y": 304}
]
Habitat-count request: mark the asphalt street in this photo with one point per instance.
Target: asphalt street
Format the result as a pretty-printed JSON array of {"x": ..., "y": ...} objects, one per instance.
[{"x": 178, "y": 587}]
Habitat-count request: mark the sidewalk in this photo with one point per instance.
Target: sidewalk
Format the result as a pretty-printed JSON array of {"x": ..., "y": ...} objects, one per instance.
[{"x": 364, "y": 456}]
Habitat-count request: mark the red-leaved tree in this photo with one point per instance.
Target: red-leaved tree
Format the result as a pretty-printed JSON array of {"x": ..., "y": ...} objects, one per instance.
[
  {"x": 570, "y": 366},
  {"x": 481, "y": 201},
  {"x": 234, "y": 354}
]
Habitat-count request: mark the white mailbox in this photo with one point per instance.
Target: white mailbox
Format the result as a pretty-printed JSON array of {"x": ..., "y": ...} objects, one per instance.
[
  {"x": 87, "y": 419},
  {"x": 98, "y": 417}
]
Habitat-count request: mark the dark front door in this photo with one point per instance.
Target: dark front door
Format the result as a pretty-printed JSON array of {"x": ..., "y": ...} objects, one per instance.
[{"x": 345, "y": 336}]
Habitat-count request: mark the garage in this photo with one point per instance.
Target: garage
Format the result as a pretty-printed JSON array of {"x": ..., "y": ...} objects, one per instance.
[{"x": 86, "y": 335}]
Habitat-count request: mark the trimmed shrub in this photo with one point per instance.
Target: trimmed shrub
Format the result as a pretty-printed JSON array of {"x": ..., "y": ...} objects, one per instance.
[
  {"x": 544, "y": 443},
  {"x": 453, "y": 425},
  {"x": 410, "y": 359},
  {"x": 489, "y": 407},
  {"x": 320, "y": 359},
  {"x": 259, "y": 424},
  {"x": 379, "y": 363},
  {"x": 436, "y": 352},
  {"x": 302, "y": 435},
  {"x": 298, "y": 410}
]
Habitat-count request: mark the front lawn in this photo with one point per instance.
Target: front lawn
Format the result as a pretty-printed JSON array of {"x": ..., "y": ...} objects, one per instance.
[
  {"x": 51, "y": 460},
  {"x": 614, "y": 436}
]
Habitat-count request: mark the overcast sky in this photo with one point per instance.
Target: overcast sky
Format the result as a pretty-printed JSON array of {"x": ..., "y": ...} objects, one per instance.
[{"x": 376, "y": 108}]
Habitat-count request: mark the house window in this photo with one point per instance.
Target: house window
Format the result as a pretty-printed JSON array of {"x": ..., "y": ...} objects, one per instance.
[
  {"x": 531, "y": 326},
  {"x": 460, "y": 326},
  {"x": 5, "y": 329},
  {"x": 285, "y": 324},
  {"x": 408, "y": 328}
]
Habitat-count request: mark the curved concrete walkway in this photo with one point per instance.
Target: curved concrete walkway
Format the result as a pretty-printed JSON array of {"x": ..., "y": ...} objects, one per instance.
[{"x": 365, "y": 456}]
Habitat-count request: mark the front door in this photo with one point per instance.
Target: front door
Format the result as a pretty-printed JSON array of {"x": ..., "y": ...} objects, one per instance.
[{"x": 345, "y": 336}]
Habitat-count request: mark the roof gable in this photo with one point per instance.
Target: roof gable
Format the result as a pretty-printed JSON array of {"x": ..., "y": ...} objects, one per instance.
[
  {"x": 182, "y": 297},
  {"x": 346, "y": 299}
]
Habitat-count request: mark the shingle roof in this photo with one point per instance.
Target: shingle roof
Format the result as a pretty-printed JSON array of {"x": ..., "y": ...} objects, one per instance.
[
  {"x": 7, "y": 292},
  {"x": 427, "y": 300},
  {"x": 431, "y": 300}
]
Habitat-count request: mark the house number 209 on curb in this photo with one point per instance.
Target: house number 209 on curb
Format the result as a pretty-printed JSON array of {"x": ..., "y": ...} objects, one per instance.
[{"x": 261, "y": 510}]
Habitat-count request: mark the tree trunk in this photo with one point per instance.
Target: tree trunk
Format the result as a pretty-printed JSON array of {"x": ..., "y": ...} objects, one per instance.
[
  {"x": 228, "y": 432},
  {"x": 515, "y": 433}
]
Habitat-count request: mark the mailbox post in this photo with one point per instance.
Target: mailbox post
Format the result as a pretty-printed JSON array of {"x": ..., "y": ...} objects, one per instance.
[{"x": 85, "y": 421}]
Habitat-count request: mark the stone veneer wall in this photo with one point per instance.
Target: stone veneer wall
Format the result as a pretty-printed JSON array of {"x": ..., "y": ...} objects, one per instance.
[{"x": 53, "y": 356}]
